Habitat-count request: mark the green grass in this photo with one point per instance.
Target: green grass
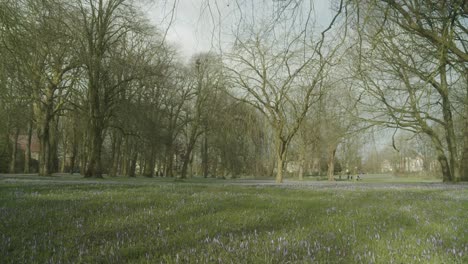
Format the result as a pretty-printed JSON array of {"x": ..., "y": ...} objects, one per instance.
[{"x": 118, "y": 220}]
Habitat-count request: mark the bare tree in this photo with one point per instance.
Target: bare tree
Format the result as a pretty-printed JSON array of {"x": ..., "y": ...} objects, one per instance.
[
  {"x": 104, "y": 28},
  {"x": 415, "y": 52},
  {"x": 337, "y": 120},
  {"x": 280, "y": 73},
  {"x": 207, "y": 78},
  {"x": 178, "y": 92},
  {"x": 44, "y": 55}
]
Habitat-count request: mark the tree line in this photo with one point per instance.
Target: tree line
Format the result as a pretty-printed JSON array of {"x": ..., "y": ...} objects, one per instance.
[{"x": 103, "y": 92}]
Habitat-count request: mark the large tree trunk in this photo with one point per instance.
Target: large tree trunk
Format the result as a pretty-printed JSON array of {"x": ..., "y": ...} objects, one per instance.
[
  {"x": 464, "y": 169},
  {"x": 191, "y": 166},
  {"x": 44, "y": 153},
  {"x": 331, "y": 163},
  {"x": 44, "y": 115},
  {"x": 96, "y": 116},
  {"x": 125, "y": 159},
  {"x": 464, "y": 161},
  {"x": 188, "y": 153},
  {"x": 14, "y": 151},
  {"x": 447, "y": 175},
  {"x": 281, "y": 146},
  {"x": 444, "y": 165},
  {"x": 65, "y": 146},
  {"x": 279, "y": 169},
  {"x": 132, "y": 168},
  {"x": 74, "y": 146},
  {"x": 186, "y": 160},
  {"x": 84, "y": 153},
  {"x": 169, "y": 160},
  {"x": 449, "y": 128},
  {"x": 94, "y": 164},
  {"x": 27, "y": 153},
  {"x": 150, "y": 163},
  {"x": 74, "y": 152},
  {"x": 53, "y": 145},
  {"x": 44, "y": 112},
  {"x": 169, "y": 171},
  {"x": 117, "y": 142}
]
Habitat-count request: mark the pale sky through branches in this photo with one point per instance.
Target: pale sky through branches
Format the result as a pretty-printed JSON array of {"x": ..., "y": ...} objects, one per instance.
[{"x": 204, "y": 25}]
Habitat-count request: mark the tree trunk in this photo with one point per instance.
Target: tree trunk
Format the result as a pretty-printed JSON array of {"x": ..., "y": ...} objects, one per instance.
[
  {"x": 447, "y": 114},
  {"x": 53, "y": 145},
  {"x": 64, "y": 158},
  {"x": 464, "y": 169},
  {"x": 14, "y": 151},
  {"x": 124, "y": 163},
  {"x": 150, "y": 164},
  {"x": 94, "y": 165},
  {"x": 279, "y": 169},
  {"x": 186, "y": 161},
  {"x": 169, "y": 160},
  {"x": 43, "y": 114},
  {"x": 125, "y": 157},
  {"x": 27, "y": 153},
  {"x": 444, "y": 165},
  {"x": 96, "y": 122},
  {"x": 451, "y": 143},
  {"x": 331, "y": 163},
  {"x": 302, "y": 163},
  {"x": 84, "y": 153},
  {"x": 441, "y": 157},
  {"x": 73, "y": 158},
  {"x": 74, "y": 149},
  {"x": 280, "y": 158},
  {"x": 132, "y": 168},
  {"x": 65, "y": 150},
  {"x": 44, "y": 153},
  {"x": 191, "y": 166},
  {"x": 205, "y": 155},
  {"x": 115, "y": 154},
  {"x": 464, "y": 161}
]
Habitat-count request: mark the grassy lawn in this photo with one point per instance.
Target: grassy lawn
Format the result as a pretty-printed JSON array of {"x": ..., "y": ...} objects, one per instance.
[{"x": 71, "y": 219}]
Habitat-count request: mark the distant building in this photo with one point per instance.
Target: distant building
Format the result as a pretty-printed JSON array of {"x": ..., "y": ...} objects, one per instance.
[
  {"x": 386, "y": 166},
  {"x": 35, "y": 145},
  {"x": 293, "y": 166},
  {"x": 415, "y": 164},
  {"x": 411, "y": 164},
  {"x": 404, "y": 164}
]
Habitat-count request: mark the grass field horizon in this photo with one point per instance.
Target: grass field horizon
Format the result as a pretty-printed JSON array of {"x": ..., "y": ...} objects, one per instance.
[{"x": 381, "y": 219}]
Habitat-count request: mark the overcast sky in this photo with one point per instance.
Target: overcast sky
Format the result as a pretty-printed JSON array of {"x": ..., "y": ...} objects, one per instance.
[{"x": 196, "y": 24}]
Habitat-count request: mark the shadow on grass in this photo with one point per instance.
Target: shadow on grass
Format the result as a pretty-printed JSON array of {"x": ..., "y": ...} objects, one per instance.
[{"x": 189, "y": 223}]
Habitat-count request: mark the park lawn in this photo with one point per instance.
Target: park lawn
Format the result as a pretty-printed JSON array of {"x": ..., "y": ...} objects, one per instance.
[{"x": 62, "y": 220}]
